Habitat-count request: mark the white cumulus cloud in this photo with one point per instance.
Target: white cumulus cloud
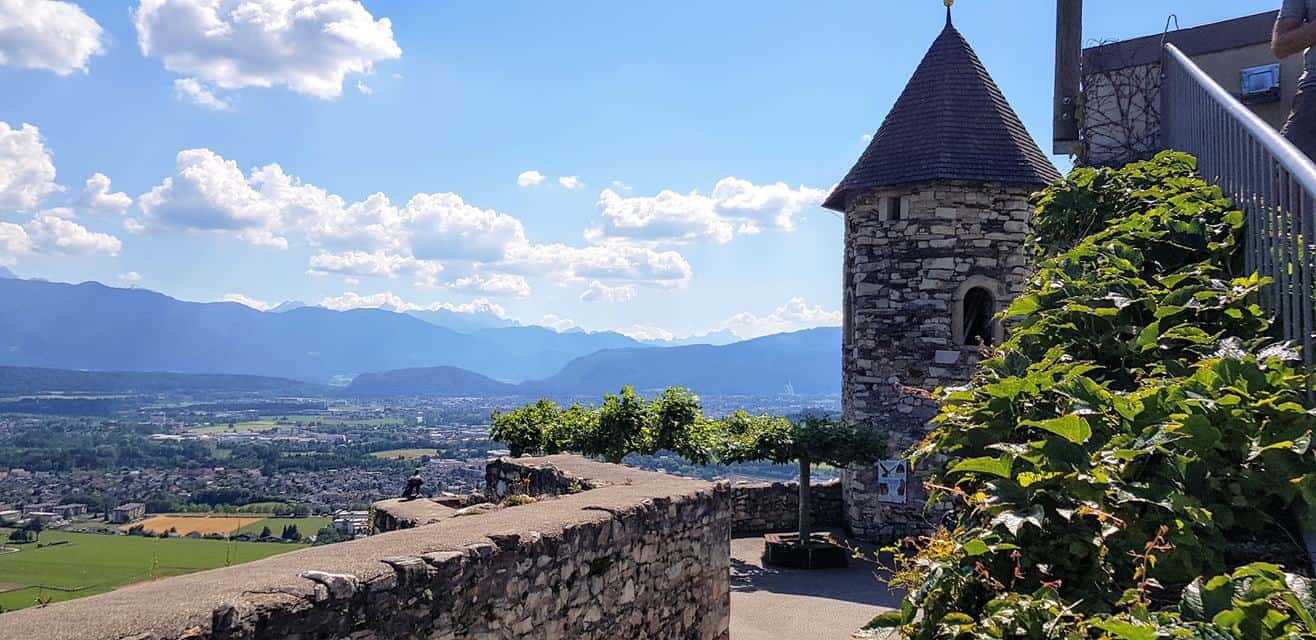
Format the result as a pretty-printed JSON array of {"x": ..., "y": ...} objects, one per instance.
[
  {"x": 27, "y": 168},
  {"x": 14, "y": 242},
  {"x": 208, "y": 193},
  {"x": 599, "y": 292},
  {"x": 442, "y": 225},
  {"x": 191, "y": 90},
  {"x": 557, "y": 323},
  {"x": 96, "y": 196},
  {"x": 614, "y": 263},
  {"x": 392, "y": 302},
  {"x": 375, "y": 237},
  {"x": 496, "y": 284},
  {"x": 47, "y": 34},
  {"x": 734, "y": 206},
  {"x": 570, "y": 182},
  {"x": 377, "y": 264},
  {"x": 308, "y": 46},
  {"x": 768, "y": 206},
  {"x": 51, "y": 233},
  {"x": 529, "y": 178},
  {"x": 794, "y": 315}
]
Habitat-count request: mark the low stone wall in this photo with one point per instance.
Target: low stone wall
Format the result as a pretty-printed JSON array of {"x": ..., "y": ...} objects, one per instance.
[
  {"x": 764, "y": 507},
  {"x": 533, "y": 477},
  {"x": 392, "y": 515},
  {"x": 638, "y": 555}
]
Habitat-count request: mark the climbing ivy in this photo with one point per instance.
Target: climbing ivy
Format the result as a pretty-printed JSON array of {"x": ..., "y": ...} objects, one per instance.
[{"x": 1139, "y": 427}]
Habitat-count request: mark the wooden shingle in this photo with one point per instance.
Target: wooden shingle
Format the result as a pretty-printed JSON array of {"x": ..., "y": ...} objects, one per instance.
[{"x": 950, "y": 123}]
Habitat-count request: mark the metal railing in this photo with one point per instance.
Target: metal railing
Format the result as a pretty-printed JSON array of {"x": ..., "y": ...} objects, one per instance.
[{"x": 1264, "y": 174}]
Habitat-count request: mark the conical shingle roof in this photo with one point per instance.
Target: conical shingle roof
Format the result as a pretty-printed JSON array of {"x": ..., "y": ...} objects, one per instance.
[{"x": 950, "y": 123}]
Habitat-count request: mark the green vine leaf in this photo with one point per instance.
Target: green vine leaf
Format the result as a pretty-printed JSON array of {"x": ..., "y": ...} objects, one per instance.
[
  {"x": 1071, "y": 428},
  {"x": 999, "y": 467}
]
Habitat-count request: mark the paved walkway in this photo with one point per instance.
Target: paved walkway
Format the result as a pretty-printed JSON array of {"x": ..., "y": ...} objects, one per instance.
[{"x": 786, "y": 604}]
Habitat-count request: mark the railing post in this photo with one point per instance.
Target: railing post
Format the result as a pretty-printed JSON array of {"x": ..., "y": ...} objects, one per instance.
[{"x": 1266, "y": 176}]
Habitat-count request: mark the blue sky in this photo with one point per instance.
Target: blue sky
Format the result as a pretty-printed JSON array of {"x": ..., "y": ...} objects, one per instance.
[{"x": 594, "y": 107}]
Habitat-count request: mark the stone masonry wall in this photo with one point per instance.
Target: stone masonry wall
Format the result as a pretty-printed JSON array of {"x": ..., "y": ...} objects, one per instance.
[
  {"x": 640, "y": 555},
  {"x": 509, "y": 476},
  {"x": 762, "y": 507},
  {"x": 904, "y": 281}
]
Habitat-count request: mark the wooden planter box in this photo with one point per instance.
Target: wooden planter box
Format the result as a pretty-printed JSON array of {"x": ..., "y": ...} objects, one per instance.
[{"x": 784, "y": 550}]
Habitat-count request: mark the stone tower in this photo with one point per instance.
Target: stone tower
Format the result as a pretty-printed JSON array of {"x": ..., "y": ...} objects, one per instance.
[{"x": 936, "y": 212}]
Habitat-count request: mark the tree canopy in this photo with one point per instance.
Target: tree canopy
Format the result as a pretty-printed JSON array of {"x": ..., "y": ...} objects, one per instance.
[{"x": 674, "y": 421}]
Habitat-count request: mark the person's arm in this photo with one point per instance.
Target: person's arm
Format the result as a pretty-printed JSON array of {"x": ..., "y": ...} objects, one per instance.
[{"x": 1292, "y": 36}]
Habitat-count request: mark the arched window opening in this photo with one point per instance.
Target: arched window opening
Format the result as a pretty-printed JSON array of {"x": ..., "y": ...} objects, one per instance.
[{"x": 979, "y": 310}]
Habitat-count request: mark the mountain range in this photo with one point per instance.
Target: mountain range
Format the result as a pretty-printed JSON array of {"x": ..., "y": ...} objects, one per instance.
[
  {"x": 33, "y": 381},
  {"x": 805, "y": 362},
  {"x": 94, "y": 327}
]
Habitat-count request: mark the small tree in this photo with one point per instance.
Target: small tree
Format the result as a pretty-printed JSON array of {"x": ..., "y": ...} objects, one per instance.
[
  {"x": 35, "y": 528},
  {"x": 525, "y": 430},
  {"x": 265, "y": 532},
  {"x": 809, "y": 440},
  {"x": 624, "y": 423},
  {"x": 679, "y": 426},
  {"x": 327, "y": 535},
  {"x": 291, "y": 533}
]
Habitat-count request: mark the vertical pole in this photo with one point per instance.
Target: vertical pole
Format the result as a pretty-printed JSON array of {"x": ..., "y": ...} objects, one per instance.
[
  {"x": 1069, "y": 61},
  {"x": 806, "y": 506}
]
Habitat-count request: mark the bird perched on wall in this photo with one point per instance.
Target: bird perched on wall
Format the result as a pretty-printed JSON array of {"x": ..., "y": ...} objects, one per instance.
[{"x": 412, "y": 490}]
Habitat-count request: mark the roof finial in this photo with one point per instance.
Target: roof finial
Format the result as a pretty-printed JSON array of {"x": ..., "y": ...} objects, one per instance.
[{"x": 948, "y": 5}]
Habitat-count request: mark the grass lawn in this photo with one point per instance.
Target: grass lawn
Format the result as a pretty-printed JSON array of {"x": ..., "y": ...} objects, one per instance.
[
  {"x": 306, "y": 526},
  {"x": 405, "y": 454},
  {"x": 92, "y": 563}
]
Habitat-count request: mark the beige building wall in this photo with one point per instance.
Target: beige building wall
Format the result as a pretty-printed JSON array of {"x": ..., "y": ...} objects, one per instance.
[
  {"x": 1226, "y": 67},
  {"x": 1121, "y": 107}
]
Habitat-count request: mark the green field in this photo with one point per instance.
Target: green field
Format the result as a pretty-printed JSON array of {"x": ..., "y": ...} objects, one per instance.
[
  {"x": 405, "y": 454},
  {"x": 270, "y": 423},
  {"x": 333, "y": 421},
  {"x": 261, "y": 507},
  {"x": 92, "y": 563},
  {"x": 306, "y": 526},
  {"x": 241, "y": 427}
]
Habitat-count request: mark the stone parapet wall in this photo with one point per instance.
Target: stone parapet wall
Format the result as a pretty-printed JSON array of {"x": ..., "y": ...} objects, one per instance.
[
  {"x": 505, "y": 477},
  {"x": 640, "y": 555},
  {"x": 392, "y": 515},
  {"x": 763, "y": 507}
]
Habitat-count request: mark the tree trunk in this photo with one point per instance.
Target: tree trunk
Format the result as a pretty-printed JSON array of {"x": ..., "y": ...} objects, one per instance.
[{"x": 806, "y": 507}]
